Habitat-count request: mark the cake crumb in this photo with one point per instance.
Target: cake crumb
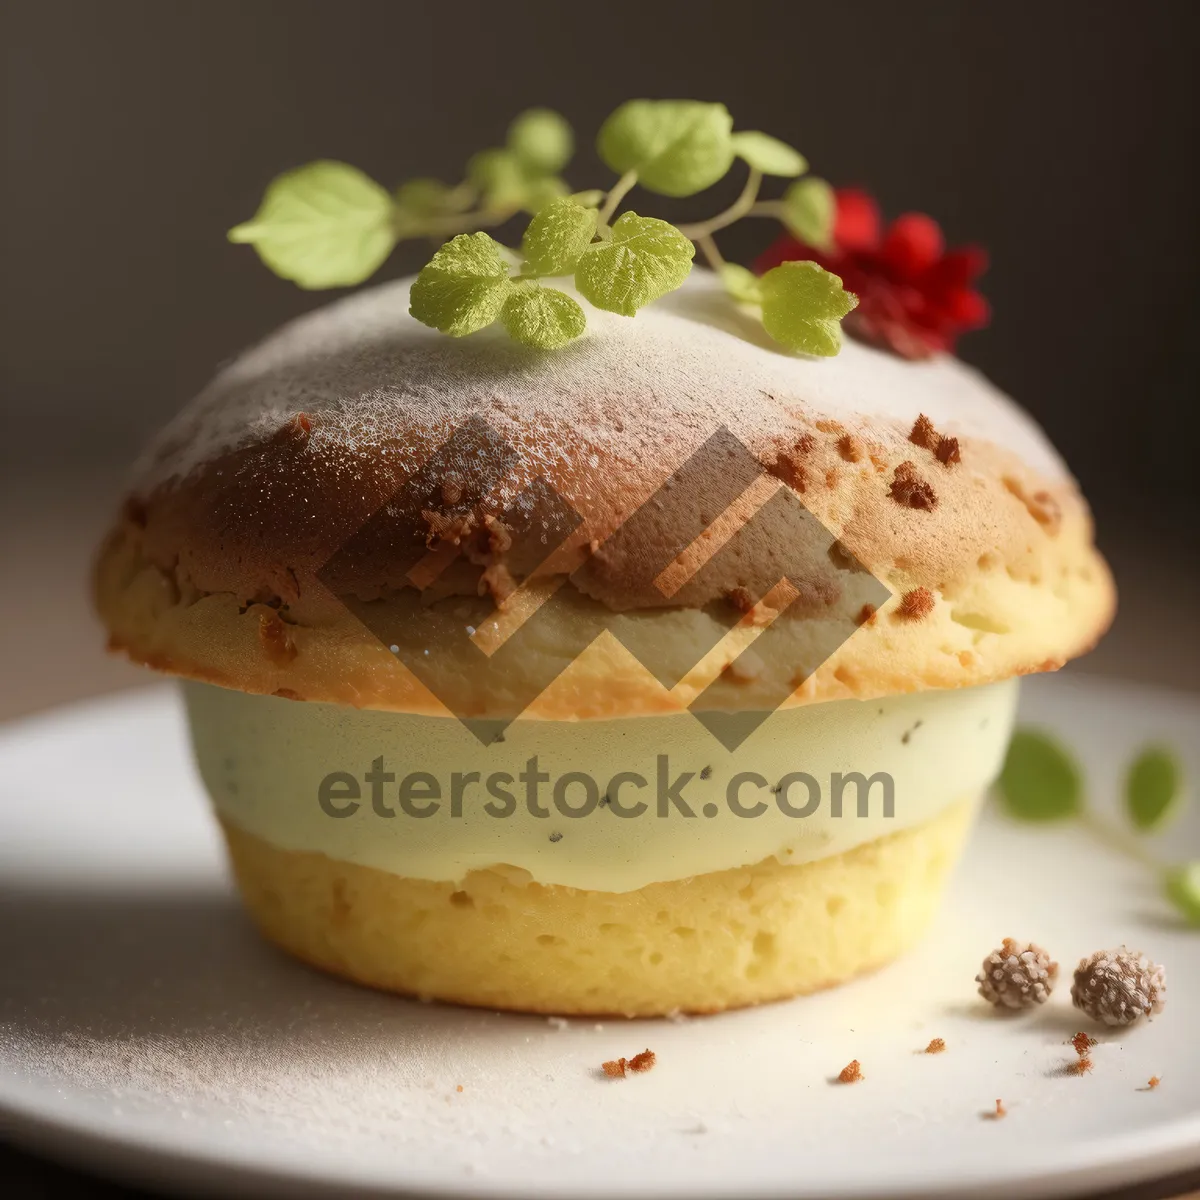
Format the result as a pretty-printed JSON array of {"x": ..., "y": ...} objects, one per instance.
[
  {"x": 1081, "y": 1066},
  {"x": 910, "y": 490},
  {"x": 851, "y": 1072},
  {"x": 915, "y": 604},
  {"x": 849, "y": 448},
  {"x": 1153, "y": 1082},
  {"x": 936, "y": 1046},
  {"x": 1083, "y": 1044},
  {"x": 948, "y": 452},
  {"x": 923, "y": 433},
  {"x": 458, "y": 1087},
  {"x": 615, "y": 1068},
  {"x": 1001, "y": 1111},
  {"x": 643, "y": 1061}
]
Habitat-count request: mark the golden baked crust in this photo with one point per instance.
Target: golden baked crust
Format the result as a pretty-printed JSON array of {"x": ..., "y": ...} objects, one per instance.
[
  {"x": 716, "y": 941},
  {"x": 225, "y": 561}
]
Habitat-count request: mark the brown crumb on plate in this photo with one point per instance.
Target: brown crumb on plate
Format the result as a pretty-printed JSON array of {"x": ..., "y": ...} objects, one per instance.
[
  {"x": 851, "y": 1072},
  {"x": 1083, "y": 1044},
  {"x": 937, "y": 1046},
  {"x": 643, "y": 1061}
]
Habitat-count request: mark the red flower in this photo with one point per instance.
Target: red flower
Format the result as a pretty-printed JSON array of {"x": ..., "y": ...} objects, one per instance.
[{"x": 914, "y": 296}]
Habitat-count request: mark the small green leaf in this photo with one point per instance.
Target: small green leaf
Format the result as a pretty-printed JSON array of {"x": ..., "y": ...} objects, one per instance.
[
  {"x": 1040, "y": 781},
  {"x": 1152, "y": 787},
  {"x": 1182, "y": 886},
  {"x": 802, "y": 306},
  {"x": 808, "y": 211},
  {"x": 322, "y": 225},
  {"x": 542, "y": 317},
  {"x": 677, "y": 147},
  {"x": 741, "y": 284},
  {"x": 768, "y": 155},
  {"x": 542, "y": 140},
  {"x": 643, "y": 259},
  {"x": 500, "y": 177},
  {"x": 463, "y": 287},
  {"x": 557, "y": 236}
]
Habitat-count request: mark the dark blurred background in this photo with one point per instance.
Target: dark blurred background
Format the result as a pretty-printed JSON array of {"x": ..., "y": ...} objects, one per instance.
[{"x": 1061, "y": 135}]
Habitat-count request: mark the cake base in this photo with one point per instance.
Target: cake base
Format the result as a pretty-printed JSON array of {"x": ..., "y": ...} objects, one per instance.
[{"x": 700, "y": 945}]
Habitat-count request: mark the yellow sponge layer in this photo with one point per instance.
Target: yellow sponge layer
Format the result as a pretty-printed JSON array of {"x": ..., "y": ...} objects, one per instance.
[{"x": 500, "y": 940}]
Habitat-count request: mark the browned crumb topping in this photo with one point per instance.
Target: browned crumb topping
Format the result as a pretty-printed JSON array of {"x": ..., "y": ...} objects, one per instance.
[
  {"x": 1083, "y": 1044},
  {"x": 805, "y": 444},
  {"x": 850, "y": 448},
  {"x": 948, "y": 451},
  {"x": 831, "y": 477},
  {"x": 275, "y": 638},
  {"x": 910, "y": 490},
  {"x": 923, "y": 433},
  {"x": 615, "y": 1067},
  {"x": 916, "y": 604},
  {"x": 1153, "y": 1082},
  {"x": 643, "y": 1061},
  {"x": 740, "y": 598},
  {"x": 826, "y": 426},
  {"x": 937, "y": 1046},
  {"x": 851, "y": 1072},
  {"x": 866, "y": 615},
  {"x": 787, "y": 469}
]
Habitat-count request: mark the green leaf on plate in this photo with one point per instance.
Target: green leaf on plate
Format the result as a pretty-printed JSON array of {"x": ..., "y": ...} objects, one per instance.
[
  {"x": 322, "y": 225},
  {"x": 802, "y": 307},
  {"x": 1153, "y": 787},
  {"x": 541, "y": 316},
  {"x": 741, "y": 284},
  {"x": 808, "y": 212},
  {"x": 463, "y": 287},
  {"x": 645, "y": 258},
  {"x": 677, "y": 147},
  {"x": 542, "y": 140},
  {"x": 1182, "y": 886},
  {"x": 768, "y": 155},
  {"x": 558, "y": 236},
  {"x": 1040, "y": 780}
]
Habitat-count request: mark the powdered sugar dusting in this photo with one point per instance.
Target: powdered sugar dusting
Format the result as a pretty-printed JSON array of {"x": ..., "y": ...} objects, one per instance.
[{"x": 687, "y": 364}]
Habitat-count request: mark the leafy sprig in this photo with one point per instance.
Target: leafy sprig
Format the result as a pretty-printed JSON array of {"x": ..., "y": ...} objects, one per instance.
[
  {"x": 1041, "y": 781},
  {"x": 329, "y": 225}
]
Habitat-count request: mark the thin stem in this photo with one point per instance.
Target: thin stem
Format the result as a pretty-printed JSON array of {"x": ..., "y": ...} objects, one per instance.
[
  {"x": 767, "y": 208},
  {"x": 709, "y": 249},
  {"x": 738, "y": 209},
  {"x": 616, "y": 194}
]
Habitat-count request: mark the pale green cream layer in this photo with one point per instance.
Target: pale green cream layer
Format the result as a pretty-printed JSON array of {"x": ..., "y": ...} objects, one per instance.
[{"x": 421, "y": 797}]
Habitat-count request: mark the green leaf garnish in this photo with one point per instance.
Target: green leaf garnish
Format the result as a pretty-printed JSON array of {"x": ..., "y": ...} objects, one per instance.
[
  {"x": 323, "y": 225},
  {"x": 542, "y": 317},
  {"x": 542, "y": 140},
  {"x": 464, "y": 286},
  {"x": 643, "y": 259},
  {"x": 741, "y": 284},
  {"x": 558, "y": 236},
  {"x": 808, "y": 210},
  {"x": 802, "y": 305},
  {"x": 1153, "y": 786},
  {"x": 1182, "y": 887},
  {"x": 1040, "y": 781},
  {"x": 677, "y": 147},
  {"x": 768, "y": 155}
]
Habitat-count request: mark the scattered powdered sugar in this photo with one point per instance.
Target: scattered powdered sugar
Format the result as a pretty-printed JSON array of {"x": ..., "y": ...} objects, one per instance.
[{"x": 691, "y": 362}]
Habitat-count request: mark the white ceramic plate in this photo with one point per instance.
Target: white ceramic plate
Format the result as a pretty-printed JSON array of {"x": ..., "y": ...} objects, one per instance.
[{"x": 145, "y": 1030}]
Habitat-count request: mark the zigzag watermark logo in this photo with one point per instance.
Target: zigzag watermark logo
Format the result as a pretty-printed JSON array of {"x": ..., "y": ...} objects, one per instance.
[{"x": 688, "y": 518}]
